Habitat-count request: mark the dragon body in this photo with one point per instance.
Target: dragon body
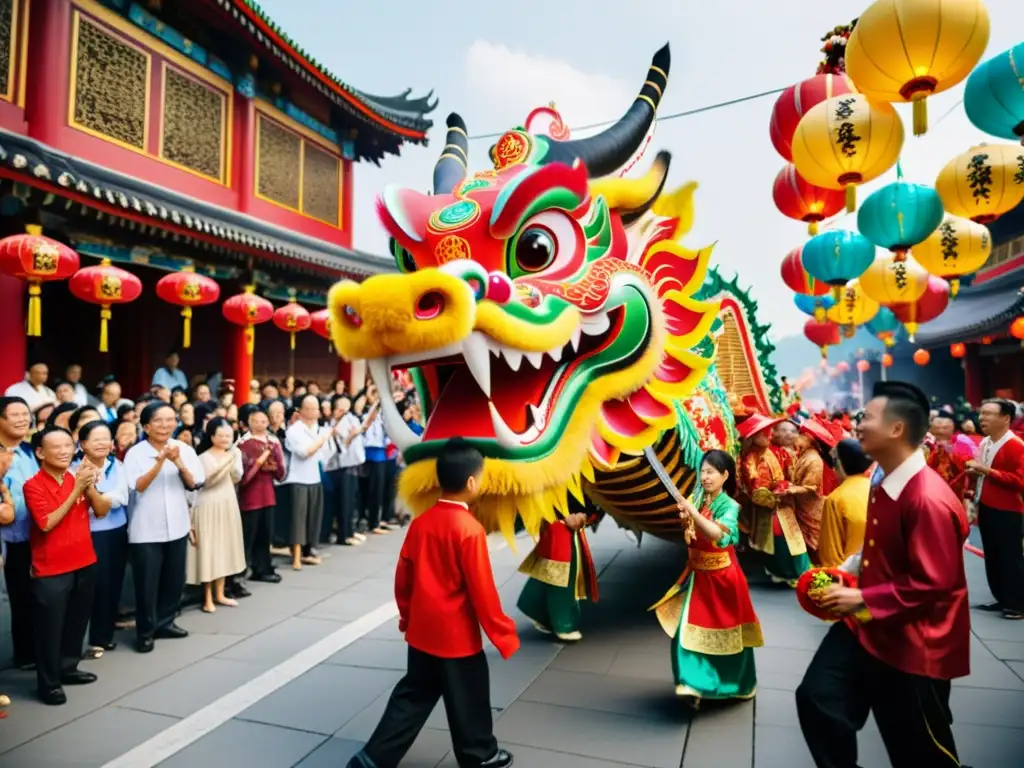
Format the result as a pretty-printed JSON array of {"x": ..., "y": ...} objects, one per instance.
[{"x": 550, "y": 315}]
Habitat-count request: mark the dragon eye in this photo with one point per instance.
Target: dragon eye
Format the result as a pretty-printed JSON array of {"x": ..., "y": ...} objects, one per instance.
[
  {"x": 535, "y": 249},
  {"x": 403, "y": 258}
]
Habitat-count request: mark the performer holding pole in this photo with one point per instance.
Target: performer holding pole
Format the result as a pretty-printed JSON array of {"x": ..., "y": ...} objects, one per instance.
[{"x": 907, "y": 630}]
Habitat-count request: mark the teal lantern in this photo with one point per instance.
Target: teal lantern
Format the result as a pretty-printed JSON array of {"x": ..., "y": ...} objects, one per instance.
[
  {"x": 884, "y": 326},
  {"x": 837, "y": 257},
  {"x": 900, "y": 215},
  {"x": 994, "y": 96},
  {"x": 815, "y": 306}
]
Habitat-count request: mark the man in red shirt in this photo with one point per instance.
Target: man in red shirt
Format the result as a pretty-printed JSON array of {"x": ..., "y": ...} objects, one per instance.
[
  {"x": 63, "y": 561},
  {"x": 906, "y": 634},
  {"x": 1000, "y": 496},
  {"x": 445, "y": 592}
]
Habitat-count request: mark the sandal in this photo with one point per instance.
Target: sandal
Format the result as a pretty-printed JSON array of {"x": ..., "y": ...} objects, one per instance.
[
  {"x": 229, "y": 602},
  {"x": 94, "y": 652},
  {"x": 209, "y": 609},
  {"x": 311, "y": 560}
]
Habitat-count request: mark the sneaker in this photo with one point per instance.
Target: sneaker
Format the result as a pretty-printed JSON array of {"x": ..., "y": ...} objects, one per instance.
[
  {"x": 352, "y": 541},
  {"x": 994, "y": 607},
  {"x": 541, "y": 628},
  {"x": 360, "y": 536},
  {"x": 502, "y": 759},
  {"x": 570, "y": 637},
  {"x": 1013, "y": 615}
]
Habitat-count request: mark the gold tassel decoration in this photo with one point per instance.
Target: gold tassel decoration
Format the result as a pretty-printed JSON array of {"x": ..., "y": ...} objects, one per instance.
[
  {"x": 920, "y": 112},
  {"x": 105, "y": 316},
  {"x": 186, "y": 333},
  {"x": 812, "y": 228},
  {"x": 851, "y": 198},
  {"x": 35, "y": 308},
  {"x": 293, "y": 341},
  {"x": 954, "y": 287},
  {"x": 250, "y": 339}
]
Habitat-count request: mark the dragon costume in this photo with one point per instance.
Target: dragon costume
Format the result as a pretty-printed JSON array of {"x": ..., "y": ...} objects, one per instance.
[{"x": 549, "y": 316}]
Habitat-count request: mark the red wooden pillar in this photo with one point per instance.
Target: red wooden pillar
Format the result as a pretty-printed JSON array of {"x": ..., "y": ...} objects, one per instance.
[
  {"x": 344, "y": 372},
  {"x": 13, "y": 341},
  {"x": 49, "y": 52},
  {"x": 245, "y": 114},
  {"x": 238, "y": 364},
  {"x": 347, "y": 178},
  {"x": 974, "y": 387}
]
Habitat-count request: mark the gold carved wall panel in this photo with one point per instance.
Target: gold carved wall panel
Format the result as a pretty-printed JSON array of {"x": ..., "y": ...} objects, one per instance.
[
  {"x": 110, "y": 85},
  {"x": 321, "y": 185},
  {"x": 194, "y": 117},
  {"x": 278, "y": 163},
  {"x": 730, "y": 358},
  {"x": 7, "y": 37}
]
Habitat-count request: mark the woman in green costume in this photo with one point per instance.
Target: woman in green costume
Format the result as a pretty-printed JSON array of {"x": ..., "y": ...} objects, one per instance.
[{"x": 708, "y": 613}]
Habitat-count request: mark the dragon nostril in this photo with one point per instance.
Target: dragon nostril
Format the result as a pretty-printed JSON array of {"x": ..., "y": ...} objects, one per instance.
[
  {"x": 429, "y": 305},
  {"x": 352, "y": 317}
]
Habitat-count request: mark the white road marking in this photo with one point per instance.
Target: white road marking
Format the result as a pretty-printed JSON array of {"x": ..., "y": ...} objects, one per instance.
[{"x": 188, "y": 731}]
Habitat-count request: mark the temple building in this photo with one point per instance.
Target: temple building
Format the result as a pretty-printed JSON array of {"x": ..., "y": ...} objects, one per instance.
[{"x": 175, "y": 134}]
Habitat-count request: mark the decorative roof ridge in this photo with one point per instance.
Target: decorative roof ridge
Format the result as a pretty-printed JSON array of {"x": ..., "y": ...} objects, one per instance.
[
  {"x": 396, "y": 114},
  {"x": 74, "y": 173}
]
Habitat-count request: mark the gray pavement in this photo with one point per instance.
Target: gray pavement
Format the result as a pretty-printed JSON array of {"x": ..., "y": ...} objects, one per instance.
[{"x": 604, "y": 703}]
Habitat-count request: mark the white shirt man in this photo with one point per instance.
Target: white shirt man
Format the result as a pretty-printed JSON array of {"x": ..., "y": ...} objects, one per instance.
[{"x": 161, "y": 512}]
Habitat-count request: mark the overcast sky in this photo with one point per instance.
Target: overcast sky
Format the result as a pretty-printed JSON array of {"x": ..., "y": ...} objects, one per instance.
[{"x": 494, "y": 62}]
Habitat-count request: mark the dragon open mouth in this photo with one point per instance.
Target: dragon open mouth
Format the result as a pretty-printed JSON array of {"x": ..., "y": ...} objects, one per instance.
[{"x": 491, "y": 392}]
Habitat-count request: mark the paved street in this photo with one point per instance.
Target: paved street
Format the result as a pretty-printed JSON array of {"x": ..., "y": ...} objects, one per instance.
[{"x": 299, "y": 673}]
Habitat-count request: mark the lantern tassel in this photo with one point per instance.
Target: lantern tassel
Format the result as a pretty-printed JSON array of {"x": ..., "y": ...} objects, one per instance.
[
  {"x": 954, "y": 288},
  {"x": 35, "y": 309},
  {"x": 812, "y": 228},
  {"x": 250, "y": 339},
  {"x": 920, "y": 110},
  {"x": 851, "y": 198},
  {"x": 293, "y": 341},
  {"x": 186, "y": 332},
  {"x": 105, "y": 316}
]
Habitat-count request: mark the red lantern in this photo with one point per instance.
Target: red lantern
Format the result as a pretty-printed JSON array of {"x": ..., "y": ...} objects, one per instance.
[
  {"x": 798, "y": 199},
  {"x": 248, "y": 310},
  {"x": 796, "y": 278},
  {"x": 1017, "y": 328},
  {"x": 37, "y": 260},
  {"x": 957, "y": 350},
  {"x": 823, "y": 335},
  {"x": 186, "y": 289},
  {"x": 933, "y": 302},
  {"x": 863, "y": 366},
  {"x": 922, "y": 357},
  {"x": 794, "y": 102},
  {"x": 105, "y": 285},
  {"x": 320, "y": 323},
  {"x": 292, "y": 318},
  {"x": 887, "y": 360}
]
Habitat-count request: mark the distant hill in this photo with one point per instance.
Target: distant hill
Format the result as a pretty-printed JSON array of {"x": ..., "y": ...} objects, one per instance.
[{"x": 794, "y": 354}]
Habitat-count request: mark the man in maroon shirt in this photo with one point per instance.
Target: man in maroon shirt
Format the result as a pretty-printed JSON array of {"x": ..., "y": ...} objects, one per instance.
[
  {"x": 906, "y": 631},
  {"x": 63, "y": 561}
]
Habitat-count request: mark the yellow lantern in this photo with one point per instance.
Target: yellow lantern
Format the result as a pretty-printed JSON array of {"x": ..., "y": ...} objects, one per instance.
[
  {"x": 906, "y": 50},
  {"x": 894, "y": 279},
  {"x": 845, "y": 141},
  {"x": 853, "y": 308},
  {"x": 984, "y": 182},
  {"x": 958, "y": 247}
]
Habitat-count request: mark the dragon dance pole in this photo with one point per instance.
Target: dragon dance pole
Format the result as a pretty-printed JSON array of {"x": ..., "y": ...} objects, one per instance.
[{"x": 860, "y": 385}]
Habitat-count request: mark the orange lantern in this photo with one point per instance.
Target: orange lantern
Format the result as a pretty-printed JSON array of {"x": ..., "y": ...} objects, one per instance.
[
  {"x": 922, "y": 357},
  {"x": 292, "y": 318},
  {"x": 248, "y": 310},
  {"x": 1017, "y": 328},
  {"x": 986, "y": 340},
  {"x": 798, "y": 199},
  {"x": 842, "y": 366},
  {"x": 37, "y": 260},
  {"x": 863, "y": 366},
  {"x": 186, "y": 289},
  {"x": 887, "y": 360},
  {"x": 958, "y": 350},
  {"x": 105, "y": 285}
]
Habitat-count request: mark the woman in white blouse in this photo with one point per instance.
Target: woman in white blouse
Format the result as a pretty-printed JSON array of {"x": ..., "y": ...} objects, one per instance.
[
  {"x": 160, "y": 472},
  {"x": 218, "y": 548}
]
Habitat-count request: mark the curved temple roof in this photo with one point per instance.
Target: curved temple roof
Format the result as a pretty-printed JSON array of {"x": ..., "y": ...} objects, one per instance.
[
  {"x": 400, "y": 115},
  {"x": 978, "y": 310}
]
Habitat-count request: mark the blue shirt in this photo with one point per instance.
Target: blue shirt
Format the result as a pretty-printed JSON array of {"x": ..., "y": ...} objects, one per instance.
[
  {"x": 375, "y": 441},
  {"x": 23, "y": 466},
  {"x": 877, "y": 476},
  {"x": 170, "y": 379},
  {"x": 113, "y": 484}
]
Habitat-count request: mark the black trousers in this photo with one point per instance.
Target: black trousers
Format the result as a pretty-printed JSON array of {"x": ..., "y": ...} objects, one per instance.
[
  {"x": 159, "y": 574},
  {"x": 282, "y": 515},
  {"x": 257, "y": 530},
  {"x": 340, "y": 490},
  {"x": 844, "y": 683},
  {"x": 61, "y": 609},
  {"x": 376, "y": 478},
  {"x": 111, "y": 561},
  {"x": 1001, "y": 533},
  {"x": 465, "y": 686},
  {"x": 17, "y": 575},
  {"x": 350, "y": 500}
]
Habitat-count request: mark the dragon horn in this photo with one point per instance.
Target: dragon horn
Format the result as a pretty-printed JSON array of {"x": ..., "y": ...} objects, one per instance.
[
  {"x": 609, "y": 150},
  {"x": 451, "y": 165}
]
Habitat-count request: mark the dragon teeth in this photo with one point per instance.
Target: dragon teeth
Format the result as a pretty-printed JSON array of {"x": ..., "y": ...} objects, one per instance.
[
  {"x": 595, "y": 326},
  {"x": 535, "y": 358},
  {"x": 474, "y": 352},
  {"x": 575, "y": 340},
  {"x": 538, "y": 417},
  {"x": 513, "y": 357}
]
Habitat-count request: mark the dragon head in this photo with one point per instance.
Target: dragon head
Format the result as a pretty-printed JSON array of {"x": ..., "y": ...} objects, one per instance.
[{"x": 545, "y": 307}]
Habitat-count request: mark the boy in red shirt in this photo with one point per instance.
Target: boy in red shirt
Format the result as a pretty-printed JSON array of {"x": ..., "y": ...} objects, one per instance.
[
  {"x": 63, "y": 561},
  {"x": 445, "y": 592}
]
